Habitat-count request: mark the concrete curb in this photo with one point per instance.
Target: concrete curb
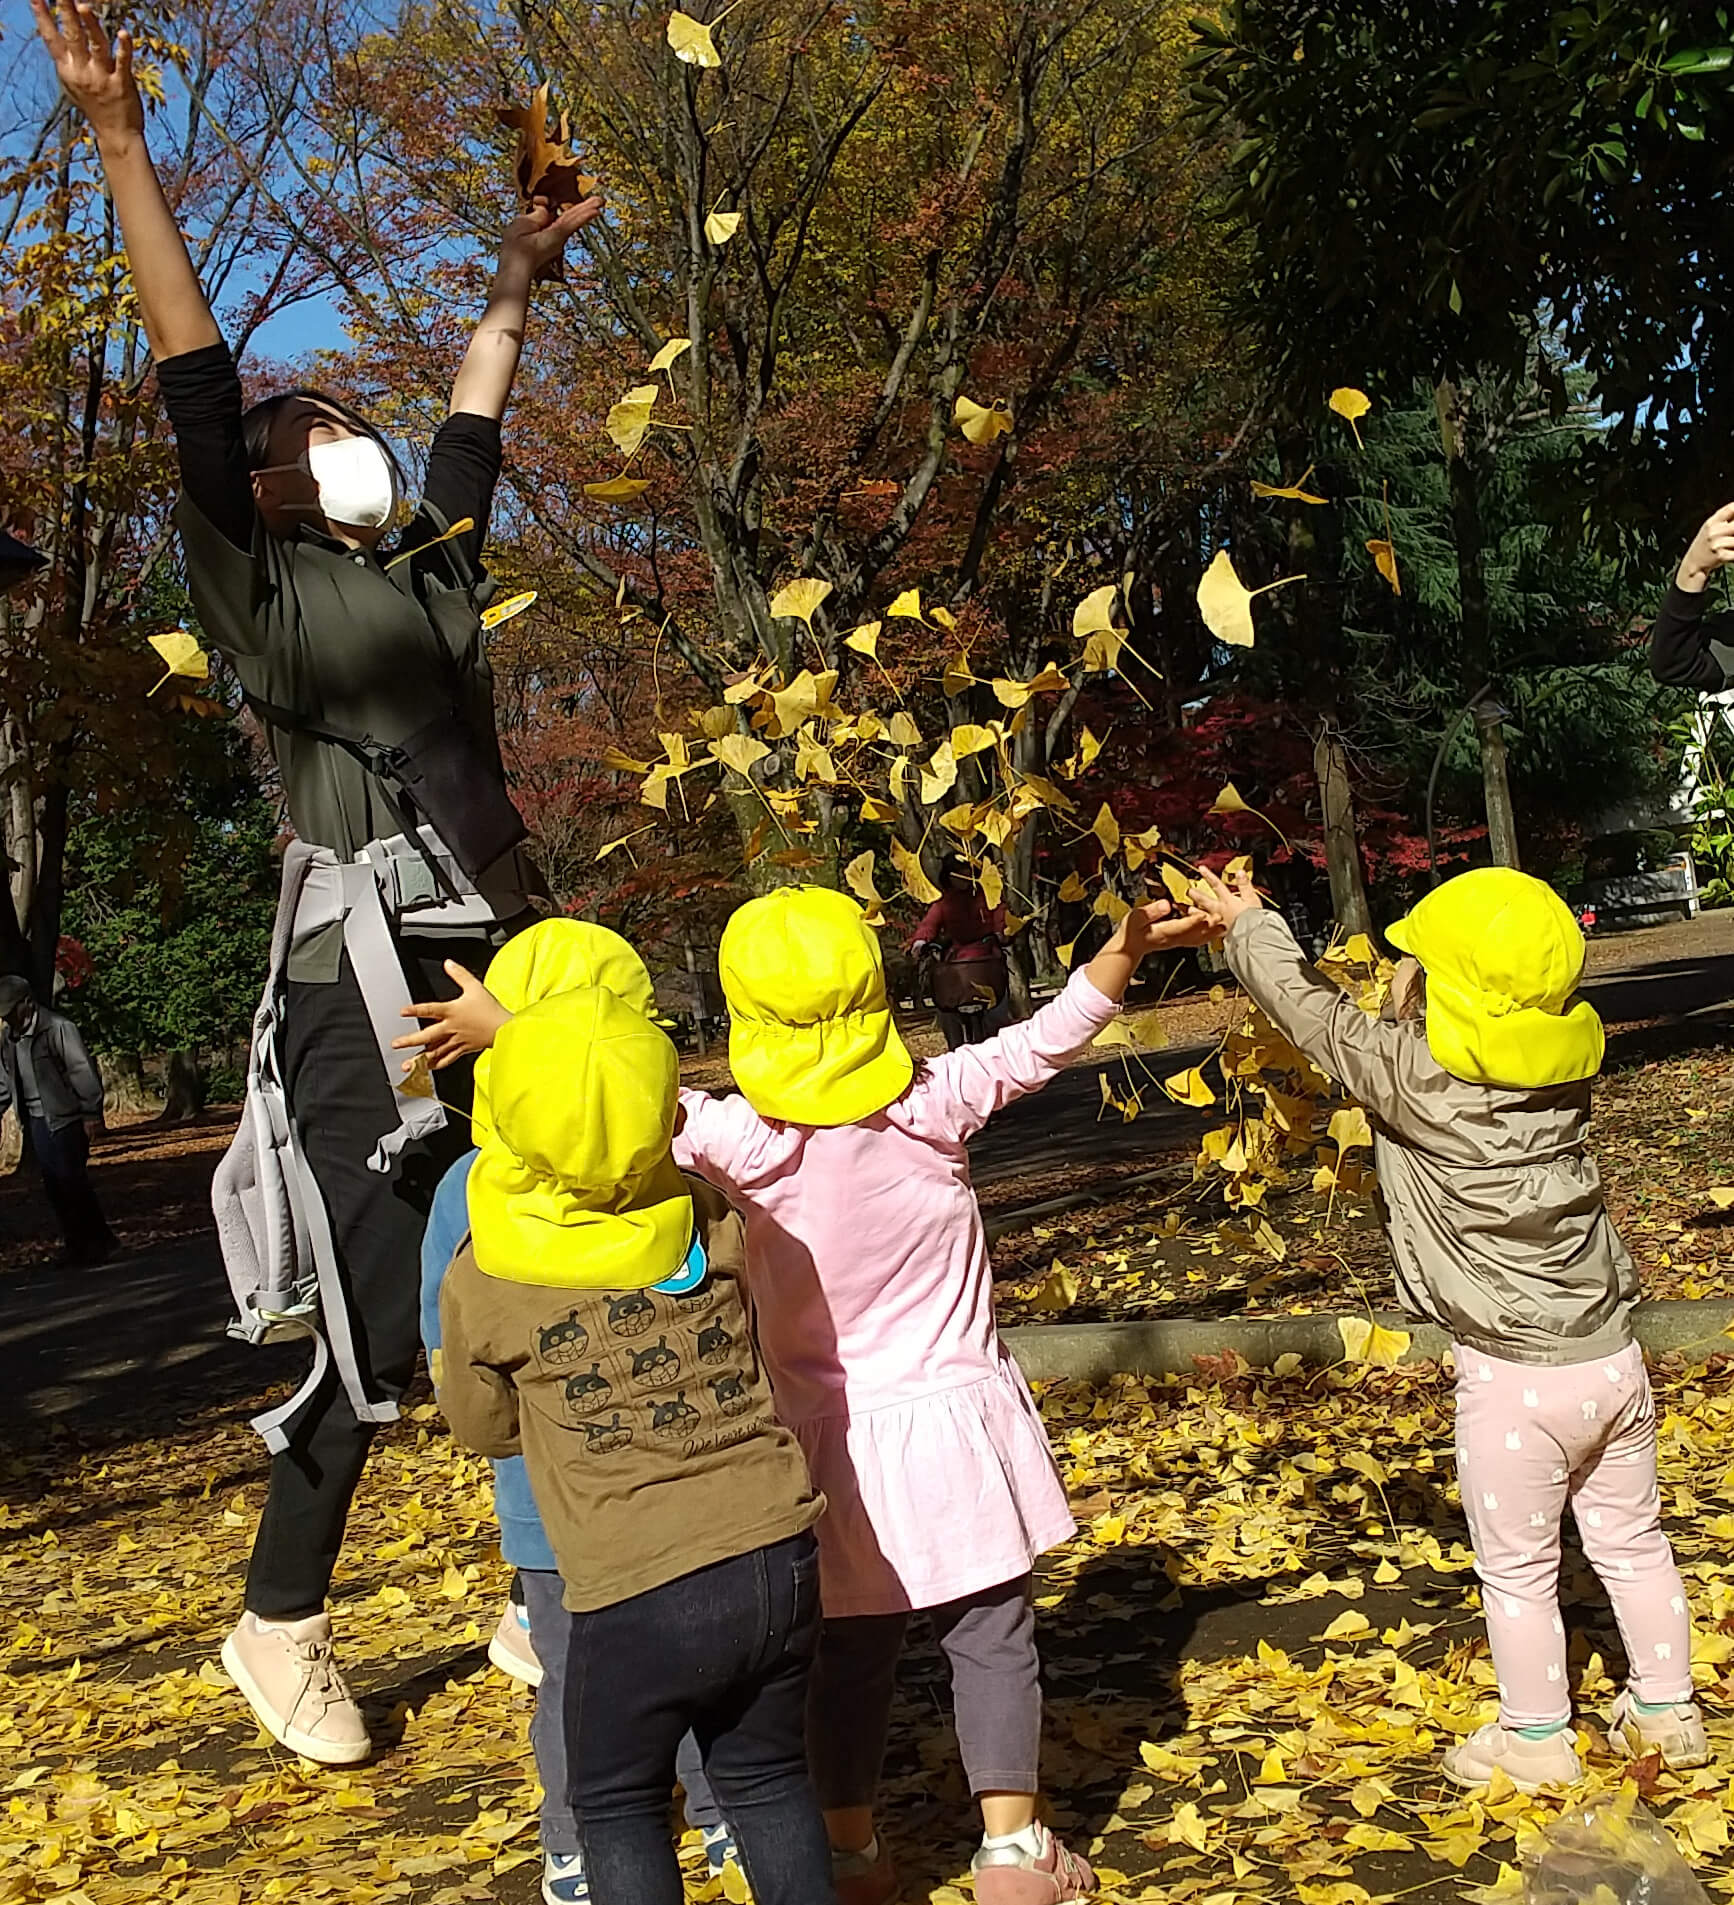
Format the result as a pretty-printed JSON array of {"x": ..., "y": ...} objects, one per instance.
[{"x": 1091, "y": 1351}]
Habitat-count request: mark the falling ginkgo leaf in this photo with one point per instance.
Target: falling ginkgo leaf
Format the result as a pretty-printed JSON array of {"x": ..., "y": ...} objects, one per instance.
[
  {"x": 450, "y": 533},
  {"x": 1179, "y": 884},
  {"x": 864, "y": 640},
  {"x": 1295, "y": 492},
  {"x": 1095, "y": 614},
  {"x": 1385, "y": 561},
  {"x": 739, "y": 751},
  {"x": 504, "y": 611},
  {"x": 628, "y": 423},
  {"x": 907, "y": 607},
  {"x": 720, "y": 227},
  {"x": 979, "y": 422},
  {"x": 1229, "y": 801},
  {"x": 1013, "y": 694},
  {"x": 858, "y": 877},
  {"x": 1349, "y": 1127},
  {"x": 1225, "y": 601},
  {"x": 915, "y": 880},
  {"x": 970, "y": 739},
  {"x": 1365, "y": 1341},
  {"x": 798, "y": 600},
  {"x": 691, "y": 41},
  {"x": 617, "y": 489},
  {"x": 1107, "y": 830},
  {"x": 1351, "y": 405},
  {"x": 671, "y": 352},
  {"x": 180, "y": 655},
  {"x": 903, "y": 731},
  {"x": 1057, "y": 1291},
  {"x": 1189, "y": 1088}
]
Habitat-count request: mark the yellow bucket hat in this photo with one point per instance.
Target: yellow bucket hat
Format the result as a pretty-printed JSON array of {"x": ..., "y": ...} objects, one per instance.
[
  {"x": 575, "y": 1186},
  {"x": 811, "y": 1038},
  {"x": 558, "y": 955},
  {"x": 1503, "y": 956}
]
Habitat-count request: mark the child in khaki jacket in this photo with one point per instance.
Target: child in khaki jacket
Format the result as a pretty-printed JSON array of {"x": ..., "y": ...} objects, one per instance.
[
  {"x": 597, "y": 1323},
  {"x": 1478, "y": 1093}
]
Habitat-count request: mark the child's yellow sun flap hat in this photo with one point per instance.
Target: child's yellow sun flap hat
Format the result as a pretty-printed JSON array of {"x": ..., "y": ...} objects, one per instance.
[
  {"x": 575, "y": 1186},
  {"x": 811, "y": 1037},
  {"x": 553, "y": 956},
  {"x": 1503, "y": 956}
]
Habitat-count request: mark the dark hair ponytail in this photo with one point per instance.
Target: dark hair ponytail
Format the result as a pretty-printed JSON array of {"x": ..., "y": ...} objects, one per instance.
[{"x": 257, "y": 423}]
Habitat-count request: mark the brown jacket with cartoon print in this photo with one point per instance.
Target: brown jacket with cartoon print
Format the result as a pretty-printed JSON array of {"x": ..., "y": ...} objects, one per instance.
[{"x": 644, "y": 1419}]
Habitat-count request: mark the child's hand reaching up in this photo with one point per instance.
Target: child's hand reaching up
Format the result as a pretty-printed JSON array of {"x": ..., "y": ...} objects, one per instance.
[
  {"x": 1221, "y": 902},
  {"x": 459, "y": 1027},
  {"x": 1146, "y": 929}
]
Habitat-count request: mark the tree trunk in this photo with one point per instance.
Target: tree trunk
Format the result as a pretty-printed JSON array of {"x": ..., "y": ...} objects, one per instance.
[
  {"x": 1452, "y": 404},
  {"x": 183, "y": 1088},
  {"x": 1342, "y": 854}
]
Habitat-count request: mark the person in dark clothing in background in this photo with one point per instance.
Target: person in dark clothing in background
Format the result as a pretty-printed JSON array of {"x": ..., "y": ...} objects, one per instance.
[
  {"x": 1689, "y": 649},
  {"x": 340, "y": 651},
  {"x": 49, "y": 1078}
]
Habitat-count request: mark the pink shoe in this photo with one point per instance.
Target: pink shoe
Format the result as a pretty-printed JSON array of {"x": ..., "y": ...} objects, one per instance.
[{"x": 1008, "y": 1875}]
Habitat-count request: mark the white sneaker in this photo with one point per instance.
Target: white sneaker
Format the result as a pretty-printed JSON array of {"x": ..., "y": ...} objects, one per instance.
[
  {"x": 1677, "y": 1733},
  {"x": 1528, "y": 1764},
  {"x": 512, "y": 1650},
  {"x": 290, "y": 1680},
  {"x": 563, "y": 1880}
]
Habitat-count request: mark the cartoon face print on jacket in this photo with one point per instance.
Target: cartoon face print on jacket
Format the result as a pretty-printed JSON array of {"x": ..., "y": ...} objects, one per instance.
[
  {"x": 715, "y": 1344},
  {"x": 562, "y": 1343},
  {"x": 732, "y": 1395},
  {"x": 674, "y": 1417},
  {"x": 631, "y": 1314},
  {"x": 588, "y": 1391},
  {"x": 604, "y": 1438},
  {"x": 655, "y": 1367}
]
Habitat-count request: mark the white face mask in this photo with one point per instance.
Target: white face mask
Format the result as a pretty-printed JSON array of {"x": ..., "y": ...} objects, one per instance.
[{"x": 356, "y": 485}]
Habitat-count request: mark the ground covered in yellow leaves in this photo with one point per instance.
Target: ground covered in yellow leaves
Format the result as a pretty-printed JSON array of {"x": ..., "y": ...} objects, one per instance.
[{"x": 1256, "y": 1650}]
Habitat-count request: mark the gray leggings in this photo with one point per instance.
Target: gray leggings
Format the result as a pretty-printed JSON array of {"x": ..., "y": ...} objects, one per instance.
[
  {"x": 989, "y": 1640},
  {"x": 550, "y": 1635}
]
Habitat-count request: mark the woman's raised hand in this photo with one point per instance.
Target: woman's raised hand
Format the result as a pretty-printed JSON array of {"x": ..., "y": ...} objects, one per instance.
[
  {"x": 1712, "y": 549},
  {"x": 538, "y": 236},
  {"x": 97, "y": 76}
]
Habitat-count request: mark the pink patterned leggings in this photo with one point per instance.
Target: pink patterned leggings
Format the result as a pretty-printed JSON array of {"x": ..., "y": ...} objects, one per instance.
[{"x": 1530, "y": 1438}]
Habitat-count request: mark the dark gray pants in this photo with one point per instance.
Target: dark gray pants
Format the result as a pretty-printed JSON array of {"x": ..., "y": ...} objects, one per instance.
[
  {"x": 989, "y": 1641},
  {"x": 551, "y": 1635}
]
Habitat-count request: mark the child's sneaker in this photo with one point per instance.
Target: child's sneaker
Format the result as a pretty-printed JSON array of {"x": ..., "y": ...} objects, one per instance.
[
  {"x": 1528, "y": 1764},
  {"x": 511, "y": 1649},
  {"x": 1677, "y": 1733},
  {"x": 563, "y": 1880},
  {"x": 1015, "y": 1875},
  {"x": 286, "y": 1672},
  {"x": 720, "y": 1850},
  {"x": 865, "y": 1878}
]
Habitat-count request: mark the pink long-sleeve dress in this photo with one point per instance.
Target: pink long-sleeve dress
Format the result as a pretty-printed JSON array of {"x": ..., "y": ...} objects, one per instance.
[{"x": 869, "y": 1269}]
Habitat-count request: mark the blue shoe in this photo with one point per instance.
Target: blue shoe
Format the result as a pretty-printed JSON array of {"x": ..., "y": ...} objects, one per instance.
[
  {"x": 720, "y": 1850},
  {"x": 563, "y": 1880}
]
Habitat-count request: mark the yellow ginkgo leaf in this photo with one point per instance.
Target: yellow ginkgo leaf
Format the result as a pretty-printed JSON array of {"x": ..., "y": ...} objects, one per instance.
[
  {"x": 628, "y": 422},
  {"x": 1179, "y": 884},
  {"x": 858, "y": 878},
  {"x": 915, "y": 881},
  {"x": 1229, "y": 802},
  {"x": 1225, "y": 601},
  {"x": 962, "y": 821},
  {"x": 1088, "y": 748},
  {"x": 1365, "y": 1341},
  {"x": 1057, "y": 1291},
  {"x": 1102, "y": 651},
  {"x": 1073, "y": 889},
  {"x": 1295, "y": 492},
  {"x": 1095, "y": 614},
  {"x": 692, "y": 42},
  {"x": 1349, "y": 1127},
  {"x": 1385, "y": 561},
  {"x": 799, "y": 599},
  {"x": 1188, "y": 1827},
  {"x": 504, "y": 611},
  {"x": 864, "y": 640},
  {"x": 1351, "y": 405},
  {"x": 992, "y": 884},
  {"x": 1189, "y": 1088},
  {"x": 807, "y": 695},
  {"x": 739, "y": 751},
  {"x": 720, "y": 227},
  {"x": 879, "y": 812},
  {"x": 1107, "y": 830},
  {"x": 180, "y": 654},
  {"x": 1013, "y": 694},
  {"x": 617, "y": 489},
  {"x": 907, "y": 607},
  {"x": 714, "y": 723},
  {"x": 939, "y": 776},
  {"x": 675, "y": 348},
  {"x": 943, "y": 617},
  {"x": 980, "y": 423},
  {"x": 970, "y": 739},
  {"x": 903, "y": 731},
  {"x": 623, "y": 763}
]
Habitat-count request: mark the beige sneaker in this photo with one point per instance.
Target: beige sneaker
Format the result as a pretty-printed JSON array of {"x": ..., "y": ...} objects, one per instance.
[
  {"x": 1528, "y": 1764},
  {"x": 292, "y": 1684},
  {"x": 512, "y": 1650},
  {"x": 1677, "y": 1733}
]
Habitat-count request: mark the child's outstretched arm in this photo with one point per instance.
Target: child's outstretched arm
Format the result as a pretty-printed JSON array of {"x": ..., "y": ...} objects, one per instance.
[
  {"x": 969, "y": 1085},
  {"x": 457, "y": 1028},
  {"x": 1319, "y": 1018}
]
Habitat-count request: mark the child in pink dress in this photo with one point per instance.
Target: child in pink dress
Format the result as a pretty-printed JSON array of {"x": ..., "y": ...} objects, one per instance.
[{"x": 869, "y": 1268}]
